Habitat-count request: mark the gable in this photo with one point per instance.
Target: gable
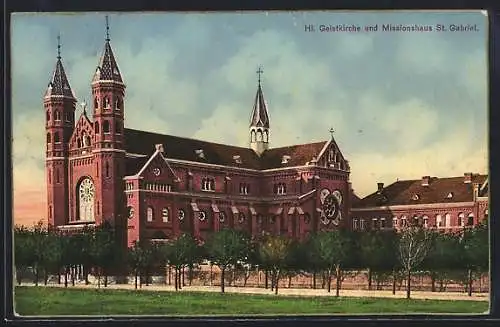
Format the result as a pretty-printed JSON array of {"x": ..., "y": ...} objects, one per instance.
[
  {"x": 157, "y": 167},
  {"x": 332, "y": 157},
  {"x": 83, "y": 134}
]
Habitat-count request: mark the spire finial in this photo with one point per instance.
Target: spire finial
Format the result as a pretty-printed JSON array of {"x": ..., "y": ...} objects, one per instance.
[
  {"x": 84, "y": 107},
  {"x": 107, "y": 28},
  {"x": 259, "y": 73},
  {"x": 332, "y": 131},
  {"x": 59, "y": 46}
]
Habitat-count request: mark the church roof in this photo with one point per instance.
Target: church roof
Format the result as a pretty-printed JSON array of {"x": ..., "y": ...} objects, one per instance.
[
  {"x": 260, "y": 117},
  {"x": 180, "y": 148},
  {"x": 412, "y": 192},
  {"x": 107, "y": 70},
  {"x": 59, "y": 84}
]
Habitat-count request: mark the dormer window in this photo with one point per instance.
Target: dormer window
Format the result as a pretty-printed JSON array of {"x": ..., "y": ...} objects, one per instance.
[
  {"x": 285, "y": 159},
  {"x": 450, "y": 195},
  {"x": 208, "y": 184},
  {"x": 237, "y": 159},
  {"x": 200, "y": 153}
]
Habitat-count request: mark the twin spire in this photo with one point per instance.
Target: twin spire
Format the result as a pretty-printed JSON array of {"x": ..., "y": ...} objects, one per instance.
[{"x": 107, "y": 70}]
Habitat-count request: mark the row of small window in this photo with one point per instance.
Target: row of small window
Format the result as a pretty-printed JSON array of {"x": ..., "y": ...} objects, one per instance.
[
  {"x": 159, "y": 187},
  {"x": 402, "y": 222},
  {"x": 106, "y": 127},
  {"x": 107, "y": 103},
  {"x": 279, "y": 189},
  {"x": 57, "y": 116}
]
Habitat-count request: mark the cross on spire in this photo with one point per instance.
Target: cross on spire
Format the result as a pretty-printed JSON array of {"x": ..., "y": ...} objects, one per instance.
[
  {"x": 332, "y": 131},
  {"x": 107, "y": 28},
  {"x": 59, "y": 46},
  {"x": 259, "y": 72}
]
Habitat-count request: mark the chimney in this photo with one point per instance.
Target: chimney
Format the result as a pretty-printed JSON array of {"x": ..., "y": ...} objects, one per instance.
[
  {"x": 380, "y": 187},
  {"x": 475, "y": 191},
  {"x": 467, "y": 178},
  {"x": 426, "y": 180}
]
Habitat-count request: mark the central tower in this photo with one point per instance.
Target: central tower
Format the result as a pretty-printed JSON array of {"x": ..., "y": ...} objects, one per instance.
[{"x": 259, "y": 122}]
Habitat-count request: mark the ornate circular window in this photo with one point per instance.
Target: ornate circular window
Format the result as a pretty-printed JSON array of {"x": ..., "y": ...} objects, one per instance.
[
  {"x": 157, "y": 171},
  {"x": 130, "y": 212}
]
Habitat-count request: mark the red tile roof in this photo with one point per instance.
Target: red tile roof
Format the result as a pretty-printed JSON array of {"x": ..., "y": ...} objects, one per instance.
[
  {"x": 180, "y": 148},
  {"x": 411, "y": 192}
]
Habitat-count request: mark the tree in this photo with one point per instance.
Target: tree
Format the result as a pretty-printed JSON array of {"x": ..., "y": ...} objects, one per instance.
[
  {"x": 374, "y": 247},
  {"x": 103, "y": 251},
  {"x": 330, "y": 250},
  {"x": 476, "y": 251},
  {"x": 226, "y": 249},
  {"x": 414, "y": 245},
  {"x": 39, "y": 237},
  {"x": 273, "y": 256},
  {"x": 23, "y": 251},
  {"x": 445, "y": 255},
  {"x": 181, "y": 252}
]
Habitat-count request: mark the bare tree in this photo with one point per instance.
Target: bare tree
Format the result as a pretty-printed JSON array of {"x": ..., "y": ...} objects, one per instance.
[{"x": 414, "y": 245}]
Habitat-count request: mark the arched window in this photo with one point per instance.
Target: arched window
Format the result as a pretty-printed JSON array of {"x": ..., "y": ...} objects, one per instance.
[
  {"x": 470, "y": 219},
  {"x": 48, "y": 138},
  {"x": 48, "y": 115},
  {"x": 461, "y": 219},
  {"x": 96, "y": 127},
  {"x": 130, "y": 211},
  {"x": 50, "y": 212},
  {"x": 266, "y": 136},
  {"x": 79, "y": 142},
  {"x": 165, "y": 215},
  {"x": 105, "y": 126},
  {"x": 56, "y": 138},
  {"x": 252, "y": 136},
  {"x": 447, "y": 220},
  {"x": 49, "y": 173},
  {"x": 150, "y": 214},
  {"x": 259, "y": 135},
  {"x": 119, "y": 104},
  {"x": 394, "y": 222},
  {"x": 86, "y": 200},
  {"x": 425, "y": 220},
  {"x": 87, "y": 140},
  {"x": 118, "y": 128},
  {"x": 486, "y": 214},
  {"x": 96, "y": 103},
  {"x": 57, "y": 175},
  {"x": 57, "y": 115},
  {"x": 106, "y": 102},
  {"x": 107, "y": 169},
  {"x": 439, "y": 221}
]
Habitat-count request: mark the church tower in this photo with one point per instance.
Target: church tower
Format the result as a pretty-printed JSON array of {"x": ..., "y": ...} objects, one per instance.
[
  {"x": 59, "y": 104},
  {"x": 108, "y": 92},
  {"x": 259, "y": 122}
]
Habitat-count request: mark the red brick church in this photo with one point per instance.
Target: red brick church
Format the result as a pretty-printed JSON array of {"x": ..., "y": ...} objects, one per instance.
[{"x": 159, "y": 186}]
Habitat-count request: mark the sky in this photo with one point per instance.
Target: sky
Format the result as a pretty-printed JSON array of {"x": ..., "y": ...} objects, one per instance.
[{"x": 402, "y": 104}]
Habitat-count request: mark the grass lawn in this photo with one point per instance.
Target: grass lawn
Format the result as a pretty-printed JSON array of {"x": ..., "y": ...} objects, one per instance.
[{"x": 58, "y": 301}]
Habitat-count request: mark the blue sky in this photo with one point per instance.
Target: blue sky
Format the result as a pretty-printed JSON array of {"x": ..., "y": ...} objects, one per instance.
[{"x": 403, "y": 104}]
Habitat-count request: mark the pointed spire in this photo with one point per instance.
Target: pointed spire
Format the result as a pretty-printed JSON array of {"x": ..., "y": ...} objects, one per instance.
[
  {"x": 260, "y": 117},
  {"x": 59, "y": 84},
  {"x": 332, "y": 131},
  {"x": 107, "y": 70}
]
